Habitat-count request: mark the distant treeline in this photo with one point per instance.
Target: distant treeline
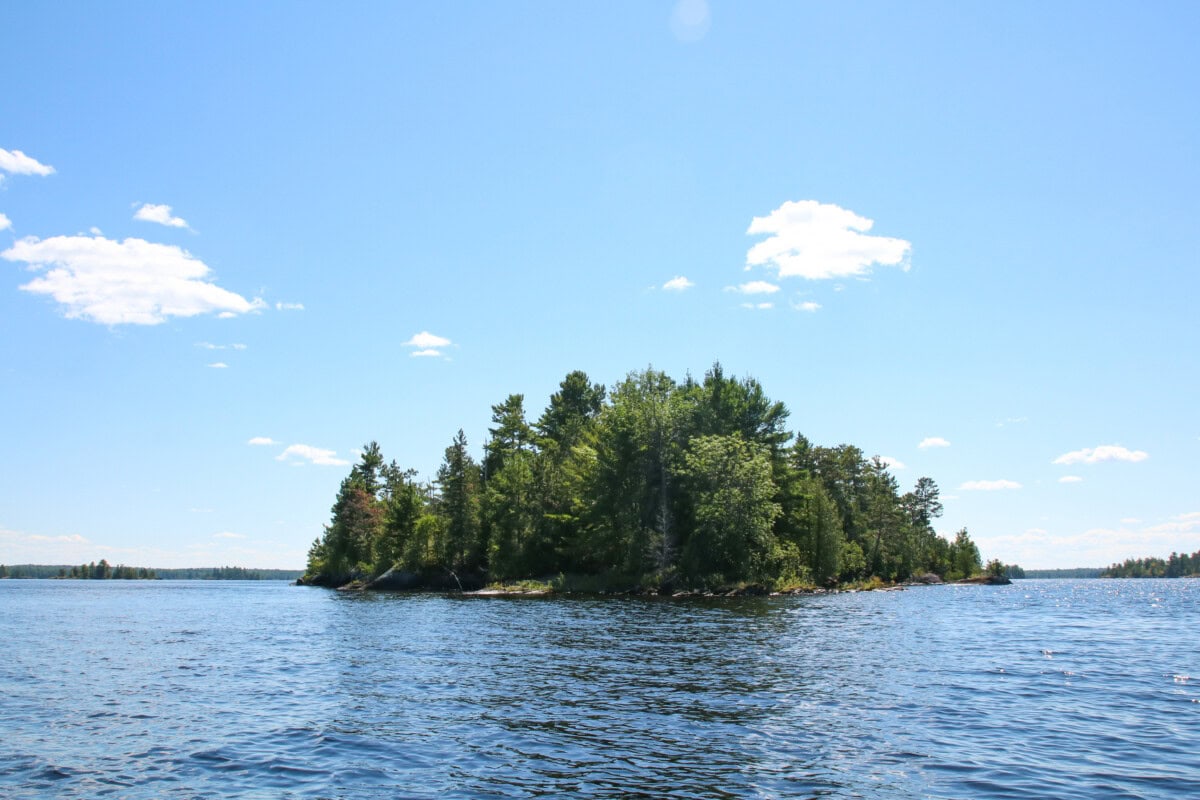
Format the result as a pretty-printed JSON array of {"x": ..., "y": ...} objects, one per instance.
[
  {"x": 102, "y": 570},
  {"x": 1175, "y": 566},
  {"x": 655, "y": 484},
  {"x": 1077, "y": 572}
]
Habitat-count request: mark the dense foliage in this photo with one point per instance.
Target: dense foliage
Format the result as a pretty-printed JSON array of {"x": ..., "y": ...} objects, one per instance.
[
  {"x": 103, "y": 571},
  {"x": 654, "y": 483},
  {"x": 92, "y": 571},
  {"x": 1073, "y": 572},
  {"x": 1176, "y": 566}
]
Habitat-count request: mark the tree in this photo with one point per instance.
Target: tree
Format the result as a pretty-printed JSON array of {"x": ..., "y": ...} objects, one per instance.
[
  {"x": 730, "y": 483},
  {"x": 458, "y": 484},
  {"x": 964, "y": 555},
  {"x": 819, "y": 528}
]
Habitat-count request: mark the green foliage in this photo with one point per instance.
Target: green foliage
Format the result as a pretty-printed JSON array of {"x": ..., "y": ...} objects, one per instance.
[
  {"x": 652, "y": 484},
  {"x": 1177, "y": 565},
  {"x": 964, "y": 556}
]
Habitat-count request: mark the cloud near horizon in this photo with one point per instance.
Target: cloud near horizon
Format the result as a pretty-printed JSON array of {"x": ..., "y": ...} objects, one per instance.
[
  {"x": 160, "y": 214},
  {"x": 1105, "y": 452},
  {"x": 313, "y": 455},
  {"x": 129, "y": 282},
  {"x": 818, "y": 241},
  {"x": 1098, "y": 547},
  {"x": 15, "y": 162}
]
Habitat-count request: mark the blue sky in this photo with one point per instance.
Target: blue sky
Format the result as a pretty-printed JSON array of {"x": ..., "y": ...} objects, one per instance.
[{"x": 965, "y": 226}]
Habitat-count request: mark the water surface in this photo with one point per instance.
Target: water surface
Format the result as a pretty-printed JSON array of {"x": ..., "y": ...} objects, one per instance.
[{"x": 1043, "y": 689}]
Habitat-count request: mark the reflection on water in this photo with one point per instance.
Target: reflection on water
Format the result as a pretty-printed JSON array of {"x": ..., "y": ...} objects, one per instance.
[{"x": 1041, "y": 689}]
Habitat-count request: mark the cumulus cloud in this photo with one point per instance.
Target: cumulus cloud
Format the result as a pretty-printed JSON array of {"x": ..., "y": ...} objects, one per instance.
[
  {"x": 160, "y": 214},
  {"x": 301, "y": 453},
  {"x": 754, "y": 287},
  {"x": 1070, "y": 479},
  {"x": 1105, "y": 452},
  {"x": 677, "y": 284},
  {"x": 892, "y": 463},
  {"x": 130, "y": 282},
  {"x": 427, "y": 344},
  {"x": 218, "y": 365},
  {"x": 17, "y": 163},
  {"x": 989, "y": 486},
  {"x": 289, "y": 306},
  {"x": 258, "y": 441},
  {"x": 807, "y": 305},
  {"x": 5, "y": 223},
  {"x": 817, "y": 241},
  {"x": 1099, "y": 546},
  {"x": 758, "y": 306},
  {"x": 932, "y": 441}
]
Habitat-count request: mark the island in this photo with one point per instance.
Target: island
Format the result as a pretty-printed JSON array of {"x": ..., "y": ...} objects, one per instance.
[{"x": 656, "y": 485}]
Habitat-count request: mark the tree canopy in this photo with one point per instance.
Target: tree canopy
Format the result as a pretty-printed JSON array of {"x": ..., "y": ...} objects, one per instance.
[{"x": 653, "y": 482}]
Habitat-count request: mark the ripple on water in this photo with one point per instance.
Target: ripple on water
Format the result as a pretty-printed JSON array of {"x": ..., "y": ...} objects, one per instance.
[{"x": 1040, "y": 690}]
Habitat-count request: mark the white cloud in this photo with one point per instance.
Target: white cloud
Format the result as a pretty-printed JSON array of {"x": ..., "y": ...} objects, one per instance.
[
  {"x": 932, "y": 441},
  {"x": 161, "y": 214},
  {"x": 5, "y": 223},
  {"x": 131, "y": 282},
  {"x": 228, "y": 535},
  {"x": 677, "y": 284},
  {"x": 425, "y": 339},
  {"x": 758, "y": 306},
  {"x": 988, "y": 486},
  {"x": 218, "y": 365},
  {"x": 1105, "y": 452},
  {"x": 820, "y": 240},
  {"x": 289, "y": 306},
  {"x": 1070, "y": 479},
  {"x": 1098, "y": 547},
  {"x": 892, "y": 463},
  {"x": 314, "y": 455},
  {"x": 258, "y": 441},
  {"x": 18, "y": 163},
  {"x": 754, "y": 287},
  {"x": 427, "y": 345},
  {"x": 807, "y": 305},
  {"x": 211, "y": 346},
  {"x": 690, "y": 20}
]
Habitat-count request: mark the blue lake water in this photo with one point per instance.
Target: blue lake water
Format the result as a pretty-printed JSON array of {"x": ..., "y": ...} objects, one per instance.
[{"x": 1043, "y": 689}]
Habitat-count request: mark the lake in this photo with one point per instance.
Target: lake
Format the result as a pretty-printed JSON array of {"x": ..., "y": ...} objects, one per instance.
[{"x": 1042, "y": 689}]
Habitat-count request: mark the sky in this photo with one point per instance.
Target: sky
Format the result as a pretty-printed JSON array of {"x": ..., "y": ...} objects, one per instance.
[{"x": 239, "y": 241}]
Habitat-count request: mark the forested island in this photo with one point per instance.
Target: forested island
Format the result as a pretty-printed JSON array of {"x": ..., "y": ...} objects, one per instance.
[
  {"x": 102, "y": 570},
  {"x": 1177, "y": 565},
  {"x": 656, "y": 485}
]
